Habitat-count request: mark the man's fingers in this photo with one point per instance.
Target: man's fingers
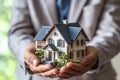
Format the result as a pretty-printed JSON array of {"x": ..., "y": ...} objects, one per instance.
[
  {"x": 40, "y": 68},
  {"x": 33, "y": 59},
  {"x": 65, "y": 76},
  {"x": 67, "y": 70},
  {"x": 90, "y": 57},
  {"x": 30, "y": 57},
  {"x": 91, "y": 53},
  {"x": 73, "y": 69},
  {"x": 34, "y": 64},
  {"x": 85, "y": 61},
  {"x": 49, "y": 73},
  {"x": 76, "y": 67}
]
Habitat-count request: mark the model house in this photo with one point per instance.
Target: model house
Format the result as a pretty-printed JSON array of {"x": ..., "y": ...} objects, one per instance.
[{"x": 69, "y": 39}]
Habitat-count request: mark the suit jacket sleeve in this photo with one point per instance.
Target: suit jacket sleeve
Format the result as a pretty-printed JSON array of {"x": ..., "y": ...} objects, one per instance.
[
  {"x": 107, "y": 37},
  {"x": 21, "y": 32}
]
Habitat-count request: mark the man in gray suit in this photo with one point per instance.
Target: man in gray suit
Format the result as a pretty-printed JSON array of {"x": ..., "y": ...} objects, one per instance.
[{"x": 100, "y": 20}]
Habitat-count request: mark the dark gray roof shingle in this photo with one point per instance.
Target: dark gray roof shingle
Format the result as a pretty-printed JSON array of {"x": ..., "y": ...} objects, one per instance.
[
  {"x": 63, "y": 29},
  {"x": 52, "y": 46},
  {"x": 74, "y": 32},
  {"x": 42, "y": 33},
  {"x": 69, "y": 31}
]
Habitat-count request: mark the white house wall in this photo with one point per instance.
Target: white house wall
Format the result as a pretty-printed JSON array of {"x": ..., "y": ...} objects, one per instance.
[
  {"x": 75, "y": 48},
  {"x": 55, "y": 38},
  {"x": 46, "y": 52},
  {"x": 39, "y": 44},
  {"x": 81, "y": 36}
]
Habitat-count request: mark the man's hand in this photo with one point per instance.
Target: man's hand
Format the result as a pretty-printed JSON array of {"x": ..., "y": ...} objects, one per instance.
[
  {"x": 34, "y": 64},
  {"x": 73, "y": 69}
]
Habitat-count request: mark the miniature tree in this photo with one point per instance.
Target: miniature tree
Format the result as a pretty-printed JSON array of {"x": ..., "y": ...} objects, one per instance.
[
  {"x": 63, "y": 59},
  {"x": 40, "y": 53}
]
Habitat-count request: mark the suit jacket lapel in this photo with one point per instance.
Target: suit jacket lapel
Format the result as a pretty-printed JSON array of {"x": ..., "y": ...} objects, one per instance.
[
  {"x": 52, "y": 10},
  {"x": 75, "y": 10}
]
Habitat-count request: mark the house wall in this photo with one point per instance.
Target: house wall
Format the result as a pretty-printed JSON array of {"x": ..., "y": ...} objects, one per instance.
[
  {"x": 75, "y": 48},
  {"x": 46, "y": 55},
  {"x": 39, "y": 44},
  {"x": 47, "y": 50},
  {"x": 55, "y": 38}
]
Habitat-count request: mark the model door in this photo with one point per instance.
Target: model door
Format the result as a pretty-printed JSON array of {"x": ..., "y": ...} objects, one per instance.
[{"x": 50, "y": 56}]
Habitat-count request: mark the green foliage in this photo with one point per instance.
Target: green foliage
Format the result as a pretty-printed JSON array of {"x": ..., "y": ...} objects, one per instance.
[
  {"x": 7, "y": 60},
  {"x": 63, "y": 56},
  {"x": 40, "y": 53},
  {"x": 63, "y": 59},
  {"x": 62, "y": 62}
]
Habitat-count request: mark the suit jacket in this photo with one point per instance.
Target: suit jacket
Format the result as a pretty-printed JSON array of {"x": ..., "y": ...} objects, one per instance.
[{"x": 100, "y": 20}]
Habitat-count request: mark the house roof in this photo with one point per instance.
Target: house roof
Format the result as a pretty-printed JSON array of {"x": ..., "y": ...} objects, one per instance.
[
  {"x": 42, "y": 33},
  {"x": 63, "y": 29},
  {"x": 74, "y": 31},
  {"x": 68, "y": 31},
  {"x": 52, "y": 46}
]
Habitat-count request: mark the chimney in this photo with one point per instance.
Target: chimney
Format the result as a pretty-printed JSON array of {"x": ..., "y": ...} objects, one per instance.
[{"x": 65, "y": 22}]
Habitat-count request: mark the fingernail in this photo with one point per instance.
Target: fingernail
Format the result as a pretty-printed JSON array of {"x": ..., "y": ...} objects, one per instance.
[{"x": 34, "y": 62}]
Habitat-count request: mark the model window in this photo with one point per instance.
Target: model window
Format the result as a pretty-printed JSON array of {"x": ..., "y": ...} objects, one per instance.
[
  {"x": 71, "y": 45},
  {"x": 77, "y": 42},
  {"x": 49, "y": 56},
  {"x": 38, "y": 46},
  {"x": 55, "y": 34},
  {"x": 60, "y": 53},
  {"x": 82, "y": 41},
  {"x": 83, "y": 52},
  {"x": 78, "y": 53},
  {"x": 50, "y": 41},
  {"x": 60, "y": 43},
  {"x": 71, "y": 55},
  {"x": 63, "y": 43}
]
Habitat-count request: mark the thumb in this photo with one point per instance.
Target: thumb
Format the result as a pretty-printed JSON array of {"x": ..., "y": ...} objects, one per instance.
[
  {"x": 30, "y": 57},
  {"x": 85, "y": 61},
  {"x": 90, "y": 56},
  {"x": 34, "y": 60}
]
